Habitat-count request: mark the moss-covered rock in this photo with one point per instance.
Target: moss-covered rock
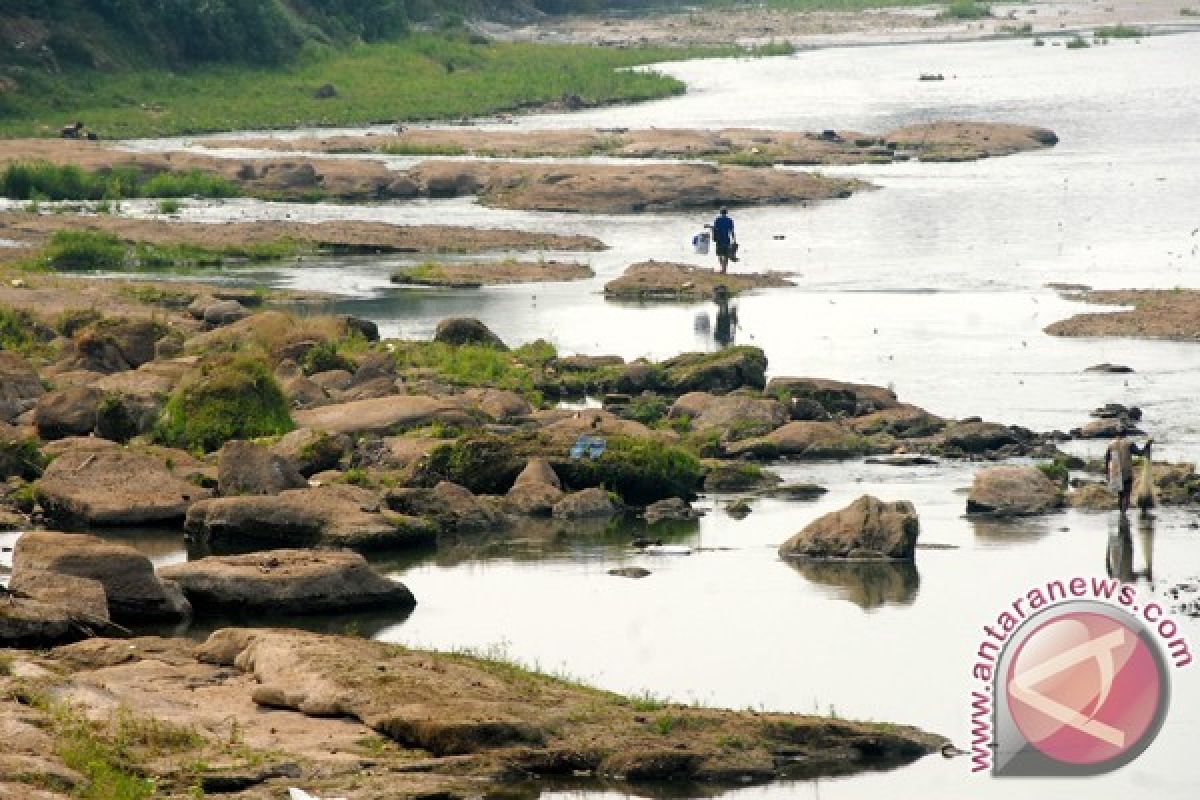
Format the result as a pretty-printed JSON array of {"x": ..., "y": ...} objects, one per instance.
[
  {"x": 720, "y": 372},
  {"x": 19, "y": 456},
  {"x": 229, "y": 398},
  {"x": 639, "y": 470}
]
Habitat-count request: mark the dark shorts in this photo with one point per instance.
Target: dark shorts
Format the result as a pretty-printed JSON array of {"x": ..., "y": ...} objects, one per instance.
[{"x": 724, "y": 248}]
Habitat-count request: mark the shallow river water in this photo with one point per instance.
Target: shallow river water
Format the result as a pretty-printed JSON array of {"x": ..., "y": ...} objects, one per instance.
[{"x": 934, "y": 284}]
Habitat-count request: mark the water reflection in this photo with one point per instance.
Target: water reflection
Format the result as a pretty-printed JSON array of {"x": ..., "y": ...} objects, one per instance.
[
  {"x": 1001, "y": 531},
  {"x": 867, "y": 584},
  {"x": 1119, "y": 552},
  {"x": 727, "y": 320},
  {"x": 537, "y": 540}
]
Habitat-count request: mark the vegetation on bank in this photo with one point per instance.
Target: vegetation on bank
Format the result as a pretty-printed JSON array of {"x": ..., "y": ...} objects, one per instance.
[
  {"x": 423, "y": 76},
  {"x": 41, "y": 180},
  {"x": 83, "y": 250},
  {"x": 966, "y": 9}
]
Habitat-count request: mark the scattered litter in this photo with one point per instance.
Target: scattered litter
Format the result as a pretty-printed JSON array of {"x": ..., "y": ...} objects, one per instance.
[
  {"x": 300, "y": 794},
  {"x": 668, "y": 550},
  {"x": 591, "y": 447}
]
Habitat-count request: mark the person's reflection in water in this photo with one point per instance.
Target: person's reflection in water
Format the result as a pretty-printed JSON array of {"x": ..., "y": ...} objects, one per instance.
[
  {"x": 1119, "y": 556},
  {"x": 1146, "y": 538},
  {"x": 727, "y": 318}
]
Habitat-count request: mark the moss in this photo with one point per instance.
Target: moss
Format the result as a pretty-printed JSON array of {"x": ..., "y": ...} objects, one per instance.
[
  {"x": 646, "y": 409},
  {"x": 230, "y": 398},
  {"x": 641, "y": 471}
]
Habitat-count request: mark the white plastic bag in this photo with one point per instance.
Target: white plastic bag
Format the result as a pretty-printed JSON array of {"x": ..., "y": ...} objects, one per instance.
[{"x": 701, "y": 242}]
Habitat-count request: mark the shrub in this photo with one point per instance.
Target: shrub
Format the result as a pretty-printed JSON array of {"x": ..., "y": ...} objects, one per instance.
[
  {"x": 21, "y": 458},
  {"x": 16, "y": 329},
  {"x": 84, "y": 250},
  {"x": 966, "y": 9},
  {"x": 196, "y": 183},
  {"x": 231, "y": 398},
  {"x": 1119, "y": 31},
  {"x": 169, "y": 206},
  {"x": 325, "y": 357},
  {"x": 1077, "y": 42},
  {"x": 646, "y": 409}
]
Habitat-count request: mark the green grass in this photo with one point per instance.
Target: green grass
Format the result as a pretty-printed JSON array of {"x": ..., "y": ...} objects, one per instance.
[
  {"x": 231, "y": 398},
  {"x": 1077, "y": 43},
  {"x": 41, "y": 180},
  {"x": 423, "y": 76},
  {"x": 966, "y": 9},
  {"x": 85, "y": 250},
  {"x": 16, "y": 330},
  {"x": 416, "y": 149},
  {"x": 478, "y": 365},
  {"x": 1119, "y": 31}
]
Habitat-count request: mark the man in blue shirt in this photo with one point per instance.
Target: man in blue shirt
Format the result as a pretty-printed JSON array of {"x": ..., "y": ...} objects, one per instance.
[{"x": 725, "y": 239}]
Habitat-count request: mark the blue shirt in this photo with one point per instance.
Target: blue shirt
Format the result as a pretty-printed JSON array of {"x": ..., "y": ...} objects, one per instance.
[{"x": 723, "y": 228}]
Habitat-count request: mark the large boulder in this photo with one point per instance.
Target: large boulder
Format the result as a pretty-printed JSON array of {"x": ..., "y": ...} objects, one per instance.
[
  {"x": 20, "y": 387},
  {"x": 132, "y": 589},
  {"x": 902, "y": 421},
  {"x": 26, "y": 622},
  {"x": 83, "y": 596},
  {"x": 1093, "y": 497},
  {"x": 867, "y": 528},
  {"x": 68, "y": 412},
  {"x": 835, "y": 398},
  {"x": 499, "y": 404},
  {"x": 313, "y": 451},
  {"x": 335, "y": 515},
  {"x": 591, "y": 503},
  {"x": 115, "y": 345},
  {"x": 287, "y": 582},
  {"x": 736, "y": 416},
  {"x": 113, "y": 486},
  {"x": 1013, "y": 491},
  {"x": 249, "y": 468},
  {"x": 536, "y": 489},
  {"x": 807, "y": 439},
  {"x": 458, "y": 331},
  {"x": 383, "y": 414},
  {"x": 452, "y": 507},
  {"x": 721, "y": 372}
]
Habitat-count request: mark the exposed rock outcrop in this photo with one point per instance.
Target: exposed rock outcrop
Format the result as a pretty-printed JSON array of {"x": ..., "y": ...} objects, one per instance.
[
  {"x": 1013, "y": 491},
  {"x": 113, "y": 486},
  {"x": 287, "y": 582},
  {"x": 335, "y": 515},
  {"x": 131, "y": 588},
  {"x": 866, "y": 529}
]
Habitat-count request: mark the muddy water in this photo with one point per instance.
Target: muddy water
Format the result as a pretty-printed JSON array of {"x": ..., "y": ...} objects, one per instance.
[{"x": 935, "y": 284}]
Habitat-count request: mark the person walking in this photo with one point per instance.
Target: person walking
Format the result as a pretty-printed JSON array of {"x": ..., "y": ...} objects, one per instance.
[
  {"x": 1118, "y": 467},
  {"x": 725, "y": 239}
]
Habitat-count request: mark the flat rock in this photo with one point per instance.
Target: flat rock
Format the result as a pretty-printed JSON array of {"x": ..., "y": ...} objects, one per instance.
[
  {"x": 382, "y": 415},
  {"x": 805, "y": 439},
  {"x": 450, "y": 506},
  {"x": 1012, "y": 491},
  {"x": 312, "y": 451},
  {"x": 663, "y": 280},
  {"x": 113, "y": 487},
  {"x": 335, "y": 515},
  {"x": 287, "y": 582},
  {"x": 131, "y": 588},
  {"x": 867, "y": 528}
]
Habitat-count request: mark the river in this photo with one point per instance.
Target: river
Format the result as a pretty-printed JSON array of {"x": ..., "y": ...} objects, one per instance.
[{"x": 935, "y": 285}]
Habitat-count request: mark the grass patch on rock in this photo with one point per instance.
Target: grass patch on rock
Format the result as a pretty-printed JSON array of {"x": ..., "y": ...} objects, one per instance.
[{"x": 229, "y": 398}]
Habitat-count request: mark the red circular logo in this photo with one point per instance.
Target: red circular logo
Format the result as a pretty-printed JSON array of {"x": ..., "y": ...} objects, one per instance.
[{"x": 1084, "y": 688}]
